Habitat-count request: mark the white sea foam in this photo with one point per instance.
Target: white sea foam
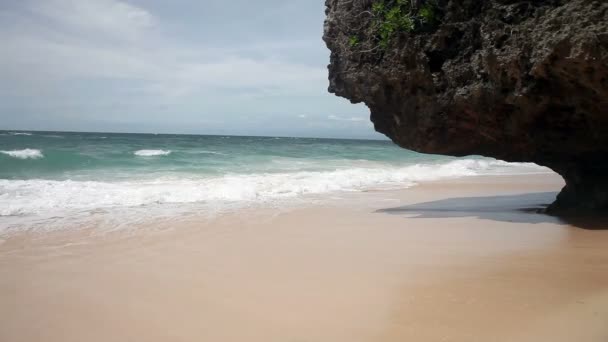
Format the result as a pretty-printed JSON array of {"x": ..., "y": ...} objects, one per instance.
[
  {"x": 20, "y": 133},
  {"x": 27, "y": 153},
  {"x": 47, "y": 198},
  {"x": 152, "y": 153}
]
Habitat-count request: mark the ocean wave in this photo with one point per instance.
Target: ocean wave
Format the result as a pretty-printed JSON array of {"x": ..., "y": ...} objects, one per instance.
[
  {"x": 37, "y": 197},
  {"x": 24, "y": 154},
  {"x": 20, "y": 133},
  {"x": 205, "y": 152},
  {"x": 152, "y": 153}
]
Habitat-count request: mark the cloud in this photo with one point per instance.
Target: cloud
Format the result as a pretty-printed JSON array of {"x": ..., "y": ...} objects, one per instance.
[
  {"x": 71, "y": 61},
  {"x": 116, "y": 19},
  {"x": 110, "y": 39}
]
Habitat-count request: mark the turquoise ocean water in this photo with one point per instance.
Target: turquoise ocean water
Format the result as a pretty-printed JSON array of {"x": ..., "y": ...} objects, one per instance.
[{"x": 50, "y": 176}]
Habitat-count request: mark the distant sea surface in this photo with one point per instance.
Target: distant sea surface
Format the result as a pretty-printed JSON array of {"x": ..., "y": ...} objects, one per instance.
[{"x": 59, "y": 178}]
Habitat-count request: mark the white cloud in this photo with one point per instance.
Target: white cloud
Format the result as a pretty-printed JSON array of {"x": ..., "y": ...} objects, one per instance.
[
  {"x": 113, "y": 18},
  {"x": 110, "y": 39},
  {"x": 67, "y": 63}
]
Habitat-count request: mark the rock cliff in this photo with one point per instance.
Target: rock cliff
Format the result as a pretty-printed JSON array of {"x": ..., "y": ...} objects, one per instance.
[{"x": 516, "y": 80}]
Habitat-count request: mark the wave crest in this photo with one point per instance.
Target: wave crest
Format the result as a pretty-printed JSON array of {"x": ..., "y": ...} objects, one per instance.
[
  {"x": 25, "y": 197},
  {"x": 27, "y": 153},
  {"x": 152, "y": 153}
]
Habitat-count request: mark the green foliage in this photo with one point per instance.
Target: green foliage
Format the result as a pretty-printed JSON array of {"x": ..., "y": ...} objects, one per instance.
[
  {"x": 353, "y": 41},
  {"x": 378, "y": 8},
  {"x": 428, "y": 14},
  {"x": 391, "y": 17}
]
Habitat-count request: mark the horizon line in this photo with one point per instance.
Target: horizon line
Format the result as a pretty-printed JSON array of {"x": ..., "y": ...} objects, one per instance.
[{"x": 191, "y": 134}]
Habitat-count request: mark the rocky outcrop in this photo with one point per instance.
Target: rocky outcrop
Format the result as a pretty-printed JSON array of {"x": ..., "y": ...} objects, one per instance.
[{"x": 515, "y": 80}]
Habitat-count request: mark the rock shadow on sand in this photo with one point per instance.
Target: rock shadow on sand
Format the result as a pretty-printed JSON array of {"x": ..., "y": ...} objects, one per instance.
[{"x": 520, "y": 208}]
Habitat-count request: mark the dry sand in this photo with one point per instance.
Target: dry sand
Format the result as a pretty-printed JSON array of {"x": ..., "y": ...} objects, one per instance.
[{"x": 444, "y": 261}]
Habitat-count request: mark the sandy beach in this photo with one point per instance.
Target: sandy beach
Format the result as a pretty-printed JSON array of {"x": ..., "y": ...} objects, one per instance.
[{"x": 461, "y": 260}]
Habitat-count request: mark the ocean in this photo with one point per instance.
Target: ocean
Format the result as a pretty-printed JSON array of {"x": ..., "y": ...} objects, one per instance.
[{"x": 59, "y": 179}]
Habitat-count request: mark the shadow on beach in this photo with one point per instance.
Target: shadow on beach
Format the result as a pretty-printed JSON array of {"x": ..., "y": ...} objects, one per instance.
[{"x": 521, "y": 208}]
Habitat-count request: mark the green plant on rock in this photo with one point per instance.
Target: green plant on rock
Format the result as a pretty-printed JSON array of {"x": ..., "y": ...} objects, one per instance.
[
  {"x": 428, "y": 14},
  {"x": 391, "y": 17},
  {"x": 378, "y": 8},
  {"x": 353, "y": 41}
]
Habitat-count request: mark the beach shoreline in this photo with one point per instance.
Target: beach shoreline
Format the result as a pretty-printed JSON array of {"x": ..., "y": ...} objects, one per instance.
[{"x": 465, "y": 259}]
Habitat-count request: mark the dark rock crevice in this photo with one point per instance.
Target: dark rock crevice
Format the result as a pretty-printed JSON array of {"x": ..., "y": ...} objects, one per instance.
[{"x": 515, "y": 80}]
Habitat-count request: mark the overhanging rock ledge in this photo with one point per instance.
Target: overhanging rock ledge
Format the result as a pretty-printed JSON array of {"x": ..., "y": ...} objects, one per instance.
[{"x": 520, "y": 81}]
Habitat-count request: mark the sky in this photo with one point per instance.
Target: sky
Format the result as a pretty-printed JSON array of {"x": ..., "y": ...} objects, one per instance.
[{"x": 182, "y": 66}]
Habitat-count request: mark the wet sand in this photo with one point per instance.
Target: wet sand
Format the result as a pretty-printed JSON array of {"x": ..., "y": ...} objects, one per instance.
[{"x": 462, "y": 260}]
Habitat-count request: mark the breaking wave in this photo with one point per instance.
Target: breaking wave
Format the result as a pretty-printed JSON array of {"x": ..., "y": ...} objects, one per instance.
[
  {"x": 152, "y": 153},
  {"x": 34, "y": 197},
  {"x": 27, "y": 153}
]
